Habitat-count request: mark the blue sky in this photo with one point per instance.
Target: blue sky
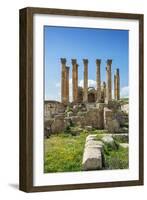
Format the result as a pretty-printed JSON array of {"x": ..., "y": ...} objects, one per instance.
[{"x": 79, "y": 43}]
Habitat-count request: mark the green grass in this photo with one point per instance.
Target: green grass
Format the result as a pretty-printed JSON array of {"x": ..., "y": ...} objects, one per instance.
[
  {"x": 64, "y": 153},
  {"x": 116, "y": 159}
]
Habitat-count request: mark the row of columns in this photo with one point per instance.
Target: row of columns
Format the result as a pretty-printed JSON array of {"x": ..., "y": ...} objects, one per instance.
[{"x": 107, "y": 88}]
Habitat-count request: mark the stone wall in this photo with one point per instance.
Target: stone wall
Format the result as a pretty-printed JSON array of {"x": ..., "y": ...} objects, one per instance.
[{"x": 52, "y": 108}]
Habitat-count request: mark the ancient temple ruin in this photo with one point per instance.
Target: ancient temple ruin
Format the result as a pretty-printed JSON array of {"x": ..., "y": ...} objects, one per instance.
[
  {"x": 101, "y": 94},
  {"x": 94, "y": 107}
]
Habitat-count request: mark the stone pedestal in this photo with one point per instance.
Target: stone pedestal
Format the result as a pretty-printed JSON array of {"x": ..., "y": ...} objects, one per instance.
[
  {"x": 108, "y": 81},
  {"x": 98, "y": 80},
  {"x": 116, "y": 85},
  {"x": 85, "y": 90}
]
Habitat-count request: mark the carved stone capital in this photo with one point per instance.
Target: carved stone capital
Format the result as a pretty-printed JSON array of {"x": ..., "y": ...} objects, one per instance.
[
  {"x": 73, "y": 61},
  {"x": 98, "y": 62},
  {"x": 117, "y": 71},
  {"x": 67, "y": 68},
  {"x": 63, "y": 61},
  {"x": 109, "y": 61},
  {"x": 85, "y": 61}
]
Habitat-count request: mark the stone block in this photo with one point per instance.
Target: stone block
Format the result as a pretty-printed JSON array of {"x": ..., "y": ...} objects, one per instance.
[
  {"x": 125, "y": 108},
  {"x": 91, "y": 137},
  {"x": 94, "y": 144},
  {"x": 94, "y": 118},
  {"x": 108, "y": 140},
  {"x": 92, "y": 159},
  {"x": 88, "y": 128}
]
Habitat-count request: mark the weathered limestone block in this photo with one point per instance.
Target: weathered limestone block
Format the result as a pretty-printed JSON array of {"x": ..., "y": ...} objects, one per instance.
[
  {"x": 58, "y": 124},
  {"x": 113, "y": 126},
  {"x": 94, "y": 118},
  {"x": 125, "y": 108},
  {"x": 108, "y": 140},
  {"x": 110, "y": 121},
  {"x": 121, "y": 117},
  {"x": 88, "y": 128},
  {"x": 48, "y": 122},
  {"x": 94, "y": 144},
  {"x": 91, "y": 137},
  {"x": 78, "y": 121},
  {"x": 92, "y": 159}
]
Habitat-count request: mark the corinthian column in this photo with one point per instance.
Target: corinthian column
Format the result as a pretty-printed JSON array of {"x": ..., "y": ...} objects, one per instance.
[
  {"x": 63, "y": 82},
  {"x": 74, "y": 80},
  {"x": 98, "y": 79},
  {"x": 67, "y": 84},
  {"x": 117, "y": 85},
  {"x": 108, "y": 83},
  {"x": 85, "y": 95}
]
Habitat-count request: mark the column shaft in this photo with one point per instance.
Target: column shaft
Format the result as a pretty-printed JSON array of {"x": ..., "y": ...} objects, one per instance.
[
  {"x": 63, "y": 83},
  {"x": 117, "y": 84},
  {"x": 98, "y": 80},
  {"x": 108, "y": 79},
  {"x": 67, "y": 85},
  {"x": 85, "y": 94},
  {"x": 74, "y": 80}
]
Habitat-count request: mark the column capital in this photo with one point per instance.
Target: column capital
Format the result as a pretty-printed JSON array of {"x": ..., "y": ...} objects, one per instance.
[
  {"x": 85, "y": 61},
  {"x": 73, "y": 61},
  {"x": 63, "y": 61},
  {"x": 117, "y": 71},
  {"x": 67, "y": 68},
  {"x": 109, "y": 61},
  {"x": 98, "y": 61}
]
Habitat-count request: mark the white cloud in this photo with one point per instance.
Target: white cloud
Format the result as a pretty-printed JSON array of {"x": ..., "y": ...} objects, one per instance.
[
  {"x": 91, "y": 83},
  {"x": 124, "y": 91}
]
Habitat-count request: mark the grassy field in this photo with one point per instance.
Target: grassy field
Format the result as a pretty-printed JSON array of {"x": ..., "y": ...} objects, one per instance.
[{"x": 64, "y": 152}]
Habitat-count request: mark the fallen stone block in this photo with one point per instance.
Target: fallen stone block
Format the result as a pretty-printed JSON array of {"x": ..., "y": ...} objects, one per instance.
[
  {"x": 91, "y": 137},
  {"x": 88, "y": 128},
  {"x": 108, "y": 140},
  {"x": 92, "y": 159},
  {"x": 94, "y": 144}
]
